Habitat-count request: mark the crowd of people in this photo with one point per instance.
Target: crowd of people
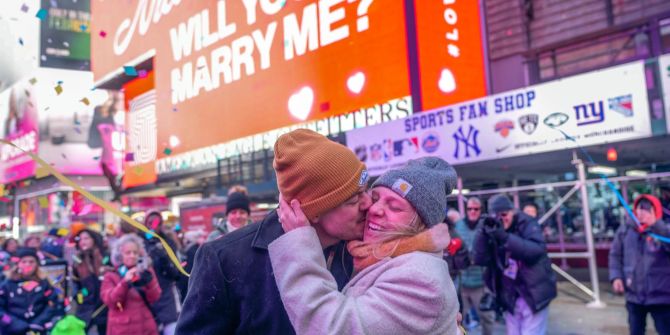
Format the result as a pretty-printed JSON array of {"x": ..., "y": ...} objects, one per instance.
[
  {"x": 338, "y": 256},
  {"x": 121, "y": 283}
]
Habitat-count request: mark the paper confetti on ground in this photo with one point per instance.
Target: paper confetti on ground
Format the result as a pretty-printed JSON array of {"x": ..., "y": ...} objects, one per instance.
[
  {"x": 167, "y": 151},
  {"x": 32, "y": 81},
  {"x": 83, "y": 27},
  {"x": 142, "y": 73},
  {"x": 130, "y": 71},
  {"x": 20, "y": 41},
  {"x": 130, "y": 157},
  {"x": 58, "y": 89},
  {"x": 103, "y": 34},
  {"x": 42, "y": 14},
  {"x": 85, "y": 101},
  {"x": 25, "y": 8}
]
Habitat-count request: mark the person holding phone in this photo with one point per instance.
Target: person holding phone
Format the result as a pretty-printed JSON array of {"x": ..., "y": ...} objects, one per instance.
[{"x": 129, "y": 291}]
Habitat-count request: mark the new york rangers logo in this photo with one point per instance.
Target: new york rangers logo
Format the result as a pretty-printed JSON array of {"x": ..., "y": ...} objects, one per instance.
[
  {"x": 528, "y": 123},
  {"x": 622, "y": 105}
]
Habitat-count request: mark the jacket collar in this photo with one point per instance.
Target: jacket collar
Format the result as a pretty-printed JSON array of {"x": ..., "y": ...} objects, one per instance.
[{"x": 268, "y": 230}]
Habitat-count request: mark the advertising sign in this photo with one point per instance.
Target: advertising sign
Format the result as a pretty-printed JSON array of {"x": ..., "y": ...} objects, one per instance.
[
  {"x": 593, "y": 108},
  {"x": 65, "y": 41},
  {"x": 451, "y": 56},
  {"x": 230, "y": 69},
  {"x": 57, "y": 116}
]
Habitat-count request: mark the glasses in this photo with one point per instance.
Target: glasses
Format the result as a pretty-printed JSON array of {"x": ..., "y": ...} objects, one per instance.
[{"x": 474, "y": 209}]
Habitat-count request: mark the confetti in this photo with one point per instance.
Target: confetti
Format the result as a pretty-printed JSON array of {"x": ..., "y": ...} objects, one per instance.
[
  {"x": 76, "y": 122},
  {"x": 41, "y": 14},
  {"x": 2, "y": 190},
  {"x": 83, "y": 27},
  {"x": 174, "y": 109},
  {"x": 32, "y": 81},
  {"x": 25, "y": 8},
  {"x": 96, "y": 158},
  {"x": 167, "y": 151},
  {"x": 325, "y": 106},
  {"x": 130, "y": 71},
  {"x": 103, "y": 34},
  {"x": 142, "y": 73},
  {"x": 58, "y": 89},
  {"x": 44, "y": 202},
  {"x": 5, "y": 199},
  {"x": 130, "y": 157},
  {"x": 85, "y": 101},
  {"x": 138, "y": 170},
  {"x": 77, "y": 130},
  {"x": 20, "y": 41}
]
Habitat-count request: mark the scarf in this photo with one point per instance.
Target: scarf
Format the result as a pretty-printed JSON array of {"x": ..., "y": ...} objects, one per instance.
[{"x": 430, "y": 240}]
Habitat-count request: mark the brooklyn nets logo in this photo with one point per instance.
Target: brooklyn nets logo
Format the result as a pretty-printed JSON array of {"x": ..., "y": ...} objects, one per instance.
[
  {"x": 143, "y": 132},
  {"x": 528, "y": 123}
]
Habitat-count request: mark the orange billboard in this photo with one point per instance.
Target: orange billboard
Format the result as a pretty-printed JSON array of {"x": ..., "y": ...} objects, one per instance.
[
  {"x": 450, "y": 51},
  {"x": 229, "y": 69}
]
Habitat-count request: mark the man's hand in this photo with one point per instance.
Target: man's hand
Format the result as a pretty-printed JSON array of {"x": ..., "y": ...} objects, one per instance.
[
  {"x": 291, "y": 215},
  {"x": 617, "y": 285}
]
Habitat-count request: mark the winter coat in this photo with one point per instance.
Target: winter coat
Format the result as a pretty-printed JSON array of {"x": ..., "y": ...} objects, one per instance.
[
  {"x": 458, "y": 262},
  {"x": 232, "y": 287},
  {"x": 168, "y": 306},
  {"x": 128, "y": 312},
  {"x": 473, "y": 276},
  {"x": 535, "y": 280},
  {"x": 643, "y": 264},
  {"x": 408, "y": 294},
  {"x": 87, "y": 282},
  {"x": 182, "y": 283},
  {"x": 20, "y": 308}
]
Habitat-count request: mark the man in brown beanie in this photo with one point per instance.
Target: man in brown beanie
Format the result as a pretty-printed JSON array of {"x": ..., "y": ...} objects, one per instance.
[{"x": 232, "y": 289}]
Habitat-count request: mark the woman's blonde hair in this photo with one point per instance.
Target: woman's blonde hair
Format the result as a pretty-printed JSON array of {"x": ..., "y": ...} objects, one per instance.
[{"x": 117, "y": 256}]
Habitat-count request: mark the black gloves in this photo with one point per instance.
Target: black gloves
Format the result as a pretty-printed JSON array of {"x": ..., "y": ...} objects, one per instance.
[{"x": 145, "y": 278}]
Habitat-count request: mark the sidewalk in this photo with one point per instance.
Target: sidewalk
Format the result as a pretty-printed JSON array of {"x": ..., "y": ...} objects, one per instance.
[{"x": 568, "y": 314}]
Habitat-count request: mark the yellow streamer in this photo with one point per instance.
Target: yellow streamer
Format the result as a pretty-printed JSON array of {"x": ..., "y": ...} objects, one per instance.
[{"x": 102, "y": 203}]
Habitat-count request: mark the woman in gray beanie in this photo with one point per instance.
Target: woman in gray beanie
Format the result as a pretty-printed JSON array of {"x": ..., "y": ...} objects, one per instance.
[{"x": 401, "y": 286}]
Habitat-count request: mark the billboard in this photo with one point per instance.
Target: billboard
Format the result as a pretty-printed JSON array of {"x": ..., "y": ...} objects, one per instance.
[
  {"x": 55, "y": 115},
  {"x": 65, "y": 40},
  {"x": 225, "y": 70},
  {"x": 593, "y": 108},
  {"x": 451, "y": 53},
  {"x": 664, "y": 71}
]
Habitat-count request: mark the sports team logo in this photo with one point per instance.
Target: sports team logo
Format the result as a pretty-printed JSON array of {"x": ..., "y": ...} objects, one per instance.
[
  {"x": 362, "y": 153},
  {"x": 622, "y": 105},
  {"x": 430, "y": 142},
  {"x": 556, "y": 120},
  {"x": 406, "y": 146},
  {"x": 528, "y": 123},
  {"x": 504, "y": 127},
  {"x": 376, "y": 152}
]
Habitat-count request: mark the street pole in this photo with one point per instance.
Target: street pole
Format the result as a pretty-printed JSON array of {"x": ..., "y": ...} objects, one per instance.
[{"x": 593, "y": 271}]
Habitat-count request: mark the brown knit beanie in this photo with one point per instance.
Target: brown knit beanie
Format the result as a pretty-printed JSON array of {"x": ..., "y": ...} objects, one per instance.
[{"x": 318, "y": 172}]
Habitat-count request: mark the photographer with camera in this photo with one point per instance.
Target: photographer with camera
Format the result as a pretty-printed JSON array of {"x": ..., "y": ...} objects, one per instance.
[
  {"x": 129, "y": 291},
  {"x": 511, "y": 246}
]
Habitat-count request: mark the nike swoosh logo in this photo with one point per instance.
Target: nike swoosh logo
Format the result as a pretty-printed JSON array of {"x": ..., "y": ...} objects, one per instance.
[{"x": 499, "y": 150}]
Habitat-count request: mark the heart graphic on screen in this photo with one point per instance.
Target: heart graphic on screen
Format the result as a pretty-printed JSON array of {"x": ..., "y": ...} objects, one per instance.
[
  {"x": 447, "y": 81},
  {"x": 356, "y": 82},
  {"x": 300, "y": 103}
]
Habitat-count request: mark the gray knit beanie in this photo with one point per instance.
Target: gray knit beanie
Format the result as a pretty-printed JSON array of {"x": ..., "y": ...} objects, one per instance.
[
  {"x": 500, "y": 203},
  {"x": 425, "y": 183}
]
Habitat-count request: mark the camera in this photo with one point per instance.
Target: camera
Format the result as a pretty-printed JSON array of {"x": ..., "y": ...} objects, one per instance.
[{"x": 490, "y": 221}]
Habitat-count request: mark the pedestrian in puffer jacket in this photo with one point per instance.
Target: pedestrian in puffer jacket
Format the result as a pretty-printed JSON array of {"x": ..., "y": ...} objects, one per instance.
[
  {"x": 28, "y": 303},
  {"x": 518, "y": 270},
  {"x": 90, "y": 263},
  {"x": 640, "y": 267}
]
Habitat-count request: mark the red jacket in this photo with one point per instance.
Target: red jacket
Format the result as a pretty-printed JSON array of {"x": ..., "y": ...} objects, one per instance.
[{"x": 128, "y": 313}]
